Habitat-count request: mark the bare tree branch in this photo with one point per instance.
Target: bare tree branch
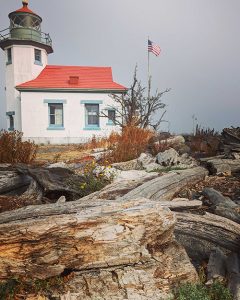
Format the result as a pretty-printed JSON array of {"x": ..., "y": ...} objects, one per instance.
[{"x": 137, "y": 109}]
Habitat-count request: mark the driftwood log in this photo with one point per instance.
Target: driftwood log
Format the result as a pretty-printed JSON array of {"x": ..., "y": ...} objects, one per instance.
[
  {"x": 11, "y": 181},
  {"x": 103, "y": 240},
  {"x": 221, "y": 165},
  {"x": 233, "y": 269},
  {"x": 222, "y": 206},
  {"x": 200, "y": 234},
  {"x": 216, "y": 268},
  {"x": 166, "y": 186}
]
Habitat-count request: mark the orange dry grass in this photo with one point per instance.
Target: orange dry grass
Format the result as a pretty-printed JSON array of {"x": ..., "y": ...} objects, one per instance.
[
  {"x": 104, "y": 142},
  {"x": 14, "y": 150},
  {"x": 129, "y": 144}
]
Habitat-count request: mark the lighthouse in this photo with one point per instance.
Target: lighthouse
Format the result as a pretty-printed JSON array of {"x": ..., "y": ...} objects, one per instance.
[{"x": 26, "y": 50}]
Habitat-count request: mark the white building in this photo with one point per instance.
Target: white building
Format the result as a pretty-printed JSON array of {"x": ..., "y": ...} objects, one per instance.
[{"x": 52, "y": 104}]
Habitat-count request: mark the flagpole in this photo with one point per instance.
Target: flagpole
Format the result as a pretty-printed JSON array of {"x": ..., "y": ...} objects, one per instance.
[{"x": 148, "y": 83}]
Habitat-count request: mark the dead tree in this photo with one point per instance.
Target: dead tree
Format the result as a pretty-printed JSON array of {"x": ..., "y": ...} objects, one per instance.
[{"x": 135, "y": 109}]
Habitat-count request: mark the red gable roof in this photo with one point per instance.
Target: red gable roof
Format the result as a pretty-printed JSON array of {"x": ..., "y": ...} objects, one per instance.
[{"x": 60, "y": 78}]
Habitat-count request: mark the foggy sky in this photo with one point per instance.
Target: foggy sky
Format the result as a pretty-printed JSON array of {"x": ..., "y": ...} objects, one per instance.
[{"x": 199, "y": 40}]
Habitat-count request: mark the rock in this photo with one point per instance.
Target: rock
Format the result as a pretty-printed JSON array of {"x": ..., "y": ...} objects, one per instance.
[
  {"x": 175, "y": 140},
  {"x": 61, "y": 200},
  {"x": 116, "y": 249},
  {"x": 100, "y": 155},
  {"x": 108, "y": 172},
  {"x": 146, "y": 159},
  {"x": 128, "y": 165},
  {"x": 168, "y": 158},
  {"x": 148, "y": 162},
  {"x": 182, "y": 149}
]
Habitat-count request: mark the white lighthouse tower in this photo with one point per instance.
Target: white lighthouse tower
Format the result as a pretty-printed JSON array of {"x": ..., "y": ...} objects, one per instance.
[{"x": 26, "y": 54}]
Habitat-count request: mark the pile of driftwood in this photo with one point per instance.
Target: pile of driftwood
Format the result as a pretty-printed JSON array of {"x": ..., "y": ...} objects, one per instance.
[
  {"x": 231, "y": 140},
  {"x": 208, "y": 227}
]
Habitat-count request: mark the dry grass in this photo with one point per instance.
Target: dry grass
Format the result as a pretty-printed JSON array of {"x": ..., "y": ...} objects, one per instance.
[
  {"x": 53, "y": 153},
  {"x": 205, "y": 142},
  {"x": 14, "y": 150},
  {"x": 129, "y": 144}
]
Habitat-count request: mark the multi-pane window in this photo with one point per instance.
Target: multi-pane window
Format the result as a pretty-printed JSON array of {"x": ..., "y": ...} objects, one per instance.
[
  {"x": 9, "y": 55},
  {"x": 55, "y": 115},
  {"x": 38, "y": 56},
  {"x": 92, "y": 115},
  {"x": 111, "y": 116}
]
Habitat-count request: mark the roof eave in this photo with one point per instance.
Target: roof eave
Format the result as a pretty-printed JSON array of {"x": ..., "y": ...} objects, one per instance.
[{"x": 75, "y": 90}]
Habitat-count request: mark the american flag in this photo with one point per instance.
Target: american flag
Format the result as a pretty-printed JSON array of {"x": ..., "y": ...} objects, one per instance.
[{"x": 154, "y": 48}]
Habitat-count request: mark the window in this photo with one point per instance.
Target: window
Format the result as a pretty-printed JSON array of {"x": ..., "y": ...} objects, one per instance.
[
  {"x": 38, "y": 56},
  {"x": 11, "y": 123},
  {"x": 111, "y": 117},
  {"x": 11, "y": 114},
  {"x": 55, "y": 115},
  {"x": 92, "y": 115},
  {"x": 9, "y": 56}
]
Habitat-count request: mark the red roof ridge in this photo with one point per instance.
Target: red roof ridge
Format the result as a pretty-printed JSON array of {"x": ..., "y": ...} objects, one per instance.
[{"x": 74, "y": 66}]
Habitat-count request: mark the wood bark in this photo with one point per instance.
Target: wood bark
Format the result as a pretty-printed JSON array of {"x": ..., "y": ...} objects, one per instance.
[
  {"x": 216, "y": 268},
  {"x": 222, "y": 206},
  {"x": 220, "y": 165},
  {"x": 11, "y": 181},
  {"x": 43, "y": 241},
  {"x": 233, "y": 269},
  {"x": 200, "y": 234},
  {"x": 166, "y": 186},
  {"x": 181, "y": 204}
]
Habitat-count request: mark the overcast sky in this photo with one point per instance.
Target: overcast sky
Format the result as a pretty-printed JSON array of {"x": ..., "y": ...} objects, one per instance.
[{"x": 200, "y": 42}]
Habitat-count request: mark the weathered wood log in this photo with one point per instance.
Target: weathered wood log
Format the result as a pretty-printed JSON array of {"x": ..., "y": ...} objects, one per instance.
[
  {"x": 222, "y": 206},
  {"x": 43, "y": 241},
  {"x": 220, "y": 165},
  {"x": 216, "y": 268},
  {"x": 11, "y": 181},
  {"x": 216, "y": 198},
  {"x": 166, "y": 186},
  {"x": 119, "y": 188},
  {"x": 200, "y": 234},
  {"x": 233, "y": 270},
  {"x": 231, "y": 134},
  {"x": 54, "y": 182},
  {"x": 180, "y": 204}
]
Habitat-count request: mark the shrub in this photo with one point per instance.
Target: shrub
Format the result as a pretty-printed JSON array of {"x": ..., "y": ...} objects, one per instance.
[
  {"x": 91, "y": 180},
  {"x": 129, "y": 144},
  {"x": 205, "y": 142},
  {"x": 217, "y": 291},
  {"x": 14, "y": 150},
  {"x": 192, "y": 292}
]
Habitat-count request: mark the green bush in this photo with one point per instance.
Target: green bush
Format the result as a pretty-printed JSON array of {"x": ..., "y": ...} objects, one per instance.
[
  {"x": 217, "y": 291},
  {"x": 91, "y": 181},
  {"x": 190, "y": 291}
]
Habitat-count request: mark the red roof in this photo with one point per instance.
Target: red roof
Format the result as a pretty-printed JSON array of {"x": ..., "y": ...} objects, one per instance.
[{"x": 86, "y": 78}]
